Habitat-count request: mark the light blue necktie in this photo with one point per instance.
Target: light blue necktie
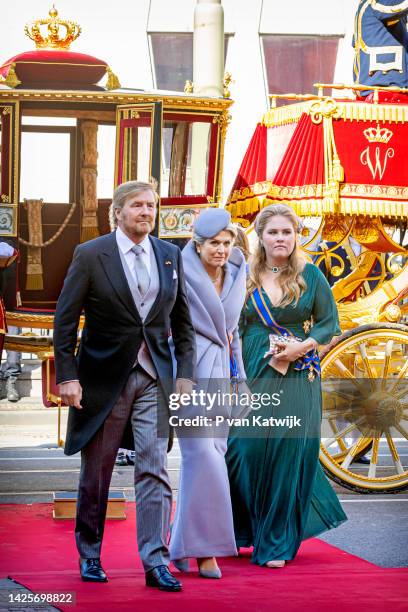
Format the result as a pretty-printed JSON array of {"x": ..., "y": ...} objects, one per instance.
[{"x": 143, "y": 278}]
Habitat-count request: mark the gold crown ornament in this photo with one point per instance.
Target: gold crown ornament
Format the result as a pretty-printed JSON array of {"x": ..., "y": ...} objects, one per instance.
[
  {"x": 378, "y": 134},
  {"x": 60, "y": 33}
]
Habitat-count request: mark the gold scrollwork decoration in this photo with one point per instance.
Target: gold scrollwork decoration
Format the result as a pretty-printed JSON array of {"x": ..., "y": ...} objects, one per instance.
[
  {"x": 7, "y": 110},
  {"x": 323, "y": 109},
  {"x": 336, "y": 228},
  {"x": 327, "y": 256},
  {"x": 381, "y": 276},
  {"x": 5, "y": 198},
  {"x": 223, "y": 120},
  {"x": 366, "y": 230}
]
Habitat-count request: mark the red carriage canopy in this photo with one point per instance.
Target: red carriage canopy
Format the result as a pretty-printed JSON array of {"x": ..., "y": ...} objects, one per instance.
[{"x": 343, "y": 157}]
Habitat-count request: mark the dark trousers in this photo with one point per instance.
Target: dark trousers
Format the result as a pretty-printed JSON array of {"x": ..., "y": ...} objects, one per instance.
[
  {"x": 11, "y": 367},
  {"x": 139, "y": 402}
]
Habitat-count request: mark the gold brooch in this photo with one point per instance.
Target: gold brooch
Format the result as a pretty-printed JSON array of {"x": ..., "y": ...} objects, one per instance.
[
  {"x": 307, "y": 325},
  {"x": 311, "y": 375}
]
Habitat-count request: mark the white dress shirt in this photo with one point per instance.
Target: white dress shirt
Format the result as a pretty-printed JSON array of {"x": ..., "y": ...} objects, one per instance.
[{"x": 125, "y": 244}]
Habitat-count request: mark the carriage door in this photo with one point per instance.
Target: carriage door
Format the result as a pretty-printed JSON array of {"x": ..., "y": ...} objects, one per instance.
[
  {"x": 138, "y": 143},
  {"x": 9, "y": 135}
]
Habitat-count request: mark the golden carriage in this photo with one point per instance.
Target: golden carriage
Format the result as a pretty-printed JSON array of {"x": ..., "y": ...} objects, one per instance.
[
  {"x": 58, "y": 124},
  {"x": 341, "y": 163}
]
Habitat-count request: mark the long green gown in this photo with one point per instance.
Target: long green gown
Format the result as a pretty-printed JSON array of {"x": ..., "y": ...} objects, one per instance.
[{"x": 280, "y": 494}]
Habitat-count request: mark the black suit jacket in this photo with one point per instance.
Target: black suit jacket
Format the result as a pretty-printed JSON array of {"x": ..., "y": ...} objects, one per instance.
[{"x": 114, "y": 331}]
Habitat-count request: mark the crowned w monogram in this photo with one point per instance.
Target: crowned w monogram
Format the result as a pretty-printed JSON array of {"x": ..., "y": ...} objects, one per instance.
[{"x": 377, "y": 164}]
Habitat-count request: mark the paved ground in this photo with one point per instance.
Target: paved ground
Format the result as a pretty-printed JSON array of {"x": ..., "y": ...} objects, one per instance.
[{"x": 13, "y": 597}]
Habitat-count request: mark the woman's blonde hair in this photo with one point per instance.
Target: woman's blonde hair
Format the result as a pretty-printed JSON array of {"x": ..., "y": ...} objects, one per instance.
[
  {"x": 242, "y": 242},
  {"x": 291, "y": 280}
]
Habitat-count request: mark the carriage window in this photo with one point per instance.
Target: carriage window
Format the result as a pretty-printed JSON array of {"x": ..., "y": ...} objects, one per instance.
[
  {"x": 46, "y": 163},
  {"x": 55, "y": 121},
  {"x": 182, "y": 142},
  {"x": 136, "y": 153},
  {"x": 172, "y": 59},
  {"x": 311, "y": 59},
  {"x": 106, "y": 160}
]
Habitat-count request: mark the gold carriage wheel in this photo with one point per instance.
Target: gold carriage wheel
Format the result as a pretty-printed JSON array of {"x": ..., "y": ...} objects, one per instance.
[{"x": 372, "y": 359}]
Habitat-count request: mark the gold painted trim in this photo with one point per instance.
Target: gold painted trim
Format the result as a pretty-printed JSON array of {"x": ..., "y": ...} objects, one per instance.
[
  {"x": 348, "y": 111},
  {"x": 257, "y": 189},
  {"x": 54, "y": 64},
  {"x": 191, "y": 205},
  {"x": 355, "y": 190},
  {"x": 316, "y": 207},
  {"x": 37, "y": 321},
  {"x": 124, "y": 112},
  {"x": 16, "y": 190},
  {"x": 284, "y": 114},
  {"x": 11, "y": 192},
  {"x": 218, "y": 163},
  {"x": 14, "y": 156},
  {"x": 298, "y": 192},
  {"x": 176, "y": 111},
  {"x": 8, "y": 198},
  {"x": 374, "y": 191},
  {"x": 112, "y": 97},
  {"x": 347, "y": 206}
]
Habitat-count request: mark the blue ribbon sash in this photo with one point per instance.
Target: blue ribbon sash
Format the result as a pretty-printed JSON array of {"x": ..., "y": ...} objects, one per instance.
[
  {"x": 233, "y": 362},
  {"x": 310, "y": 361}
]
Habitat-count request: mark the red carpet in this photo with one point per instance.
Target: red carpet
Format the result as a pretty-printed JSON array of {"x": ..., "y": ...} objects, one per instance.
[{"x": 40, "y": 553}]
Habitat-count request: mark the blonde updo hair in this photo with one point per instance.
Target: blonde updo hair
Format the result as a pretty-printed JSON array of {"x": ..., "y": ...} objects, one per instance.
[
  {"x": 291, "y": 280},
  {"x": 199, "y": 240}
]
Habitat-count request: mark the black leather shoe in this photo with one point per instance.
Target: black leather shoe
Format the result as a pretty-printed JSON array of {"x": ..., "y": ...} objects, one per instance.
[
  {"x": 92, "y": 571},
  {"x": 161, "y": 578}
]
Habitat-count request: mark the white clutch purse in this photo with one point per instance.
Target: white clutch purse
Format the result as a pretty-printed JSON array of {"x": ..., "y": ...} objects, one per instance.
[{"x": 279, "y": 365}]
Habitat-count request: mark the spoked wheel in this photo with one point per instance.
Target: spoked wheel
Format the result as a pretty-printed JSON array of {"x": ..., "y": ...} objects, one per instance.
[{"x": 365, "y": 409}]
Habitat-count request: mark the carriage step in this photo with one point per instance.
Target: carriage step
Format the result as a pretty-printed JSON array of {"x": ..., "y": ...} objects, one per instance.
[{"x": 65, "y": 505}]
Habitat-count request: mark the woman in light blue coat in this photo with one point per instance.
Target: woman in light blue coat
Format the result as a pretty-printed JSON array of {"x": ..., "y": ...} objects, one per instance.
[{"x": 215, "y": 274}]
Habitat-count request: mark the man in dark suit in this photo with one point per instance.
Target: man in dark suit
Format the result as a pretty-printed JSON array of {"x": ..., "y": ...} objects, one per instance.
[{"x": 131, "y": 288}]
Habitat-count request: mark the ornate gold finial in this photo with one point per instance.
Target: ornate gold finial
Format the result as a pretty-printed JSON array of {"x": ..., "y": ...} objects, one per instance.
[
  {"x": 11, "y": 79},
  {"x": 188, "y": 87},
  {"x": 227, "y": 83},
  {"x": 53, "y": 40},
  {"x": 113, "y": 81}
]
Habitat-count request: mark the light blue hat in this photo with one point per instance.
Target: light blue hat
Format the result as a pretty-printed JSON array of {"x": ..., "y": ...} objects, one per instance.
[{"x": 211, "y": 222}]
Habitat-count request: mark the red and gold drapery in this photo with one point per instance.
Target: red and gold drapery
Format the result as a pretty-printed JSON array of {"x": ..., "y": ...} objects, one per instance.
[
  {"x": 250, "y": 186},
  {"x": 344, "y": 158}
]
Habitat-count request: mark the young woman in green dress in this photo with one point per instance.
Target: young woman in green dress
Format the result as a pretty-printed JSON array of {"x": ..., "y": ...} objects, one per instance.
[{"x": 280, "y": 495}]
